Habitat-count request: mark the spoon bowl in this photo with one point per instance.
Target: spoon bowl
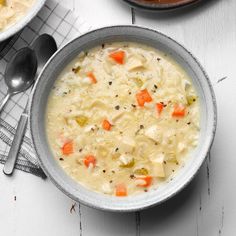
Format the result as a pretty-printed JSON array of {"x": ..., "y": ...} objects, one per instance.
[
  {"x": 20, "y": 71},
  {"x": 44, "y": 46}
]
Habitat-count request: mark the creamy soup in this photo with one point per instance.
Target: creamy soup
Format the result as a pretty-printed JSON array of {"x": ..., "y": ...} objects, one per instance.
[
  {"x": 122, "y": 118},
  {"x": 11, "y": 11}
]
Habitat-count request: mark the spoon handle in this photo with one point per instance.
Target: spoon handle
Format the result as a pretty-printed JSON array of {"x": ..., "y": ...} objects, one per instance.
[
  {"x": 16, "y": 144},
  {"x": 4, "y": 102}
]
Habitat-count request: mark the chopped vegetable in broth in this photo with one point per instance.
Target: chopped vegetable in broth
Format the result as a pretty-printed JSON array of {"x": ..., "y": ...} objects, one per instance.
[{"x": 122, "y": 118}]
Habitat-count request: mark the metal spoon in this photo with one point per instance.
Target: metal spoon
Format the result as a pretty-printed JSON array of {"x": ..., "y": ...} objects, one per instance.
[
  {"x": 20, "y": 73},
  {"x": 44, "y": 47}
]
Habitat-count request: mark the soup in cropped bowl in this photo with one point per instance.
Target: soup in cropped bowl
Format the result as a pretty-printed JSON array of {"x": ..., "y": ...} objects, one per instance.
[
  {"x": 122, "y": 119},
  {"x": 11, "y": 11}
]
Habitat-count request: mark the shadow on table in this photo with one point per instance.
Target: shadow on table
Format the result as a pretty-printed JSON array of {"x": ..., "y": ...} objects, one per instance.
[
  {"x": 180, "y": 12},
  {"x": 176, "y": 207}
]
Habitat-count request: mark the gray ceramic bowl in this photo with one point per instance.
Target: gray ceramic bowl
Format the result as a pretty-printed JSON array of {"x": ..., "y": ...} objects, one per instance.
[
  {"x": 144, "y": 5},
  {"x": 53, "y": 69},
  {"x": 23, "y": 22}
]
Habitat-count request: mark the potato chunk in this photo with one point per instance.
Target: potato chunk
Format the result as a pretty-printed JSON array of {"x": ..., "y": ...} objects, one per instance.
[
  {"x": 153, "y": 132},
  {"x": 126, "y": 144},
  {"x": 158, "y": 166}
]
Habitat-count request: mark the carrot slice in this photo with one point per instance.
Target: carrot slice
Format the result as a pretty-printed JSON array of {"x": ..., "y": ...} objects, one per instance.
[
  {"x": 179, "y": 110},
  {"x": 106, "y": 125},
  {"x": 92, "y": 77},
  {"x": 147, "y": 179},
  {"x": 90, "y": 159},
  {"x": 142, "y": 97},
  {"x": 68, "y": 148},
  {"x": 118, "y": 56},
  {"x": 121, "y": 190},
  {"x": 159, "y": 108}
]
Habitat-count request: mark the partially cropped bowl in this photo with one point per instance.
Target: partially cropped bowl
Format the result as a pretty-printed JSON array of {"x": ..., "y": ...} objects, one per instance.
[
  {"x": 155, "y": 5},
  {"x": 18, "y": 26},
  {"x": 47, "y": 79}
]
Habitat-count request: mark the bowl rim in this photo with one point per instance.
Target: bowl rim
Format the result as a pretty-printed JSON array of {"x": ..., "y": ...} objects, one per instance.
[
  {"x": 160, "y": 6},
  {"x": 25, "y": 20},
  {"x": 144, "y": 205}
]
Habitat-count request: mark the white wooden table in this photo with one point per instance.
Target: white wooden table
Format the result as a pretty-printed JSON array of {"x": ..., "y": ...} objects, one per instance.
[{"x": 207, "y": 207}]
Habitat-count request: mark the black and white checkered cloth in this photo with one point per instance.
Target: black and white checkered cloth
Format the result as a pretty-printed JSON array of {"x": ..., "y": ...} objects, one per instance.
[{"x": 61, "y": 23}]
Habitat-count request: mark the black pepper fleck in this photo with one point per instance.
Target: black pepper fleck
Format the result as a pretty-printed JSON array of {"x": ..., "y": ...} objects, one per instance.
[
  {"x": 141, "y": 127},
  {"x": 104, "y": 171},
  {"x": 117, "y": 107},
  {"x": 155, "y": 86},
  {"x": 132, "y": 176},
  {"x": 80, "y": 150},
  {"x": 61, "y": 159},
  {"x": 110, "y": 82},
  {"x": 117, "y": 149},
  {"x": 116, "y": 96},
  {"x": 134, "y": 106},
  {"x": 188, "y": 123},
  {"x": 103, "y": 45}
]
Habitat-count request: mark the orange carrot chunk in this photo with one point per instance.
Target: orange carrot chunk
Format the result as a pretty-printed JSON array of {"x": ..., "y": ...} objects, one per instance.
[
  {"x": 179, "y": 110},
  {"x": 159, "y": 108},
  {"x": 92, "y": 77},
  {"x": 121, "y": 190},
  {"x": 142, "y": 97},
  {"x": 89, "y": 160},
  {"x": 106, "y": 125},
  {"x": 147, "y": 180},
  {"x": 118, "y": 56},
  {"x": 68, "y": 148}
]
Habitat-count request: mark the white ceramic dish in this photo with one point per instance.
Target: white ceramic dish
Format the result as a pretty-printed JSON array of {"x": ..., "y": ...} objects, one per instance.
[
  {"x": 33, "y": 11},
  {"x": 97, "y": 37}
]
